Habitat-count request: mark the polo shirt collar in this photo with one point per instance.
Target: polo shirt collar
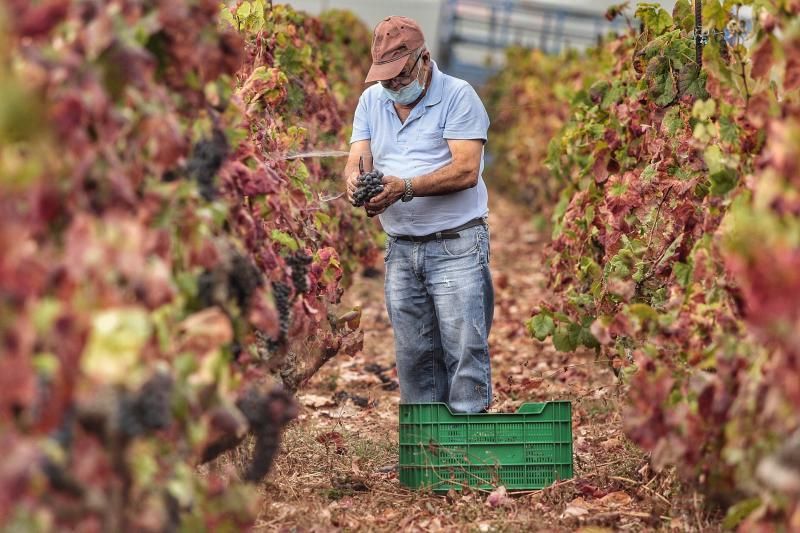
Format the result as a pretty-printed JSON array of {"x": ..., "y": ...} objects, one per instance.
[{"x": 434, "y": 94}]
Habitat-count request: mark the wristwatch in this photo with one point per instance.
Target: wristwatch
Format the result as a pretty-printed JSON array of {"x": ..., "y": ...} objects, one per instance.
[{"x": 409, "y": 191}]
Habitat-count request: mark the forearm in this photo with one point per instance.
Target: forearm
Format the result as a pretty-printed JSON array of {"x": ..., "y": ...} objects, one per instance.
[
  {"x": 460, "y": 174},
  {"x": 450, "y": 178},
  {"x": 358, "y": 150},
  {"x": 351, "y": 168}
]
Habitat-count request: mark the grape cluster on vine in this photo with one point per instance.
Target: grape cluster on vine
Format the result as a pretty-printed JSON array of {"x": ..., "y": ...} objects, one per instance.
[
  {"x": 206, "y": 159},
  {"x": 235, "y": 278},
  {"x": 266, "y": 413},
  {"x": 299, "y": 262},
  {"x": 244, "y": 278},
  {"x": 369, "y": 185},
  {"x": 148, "y": 410},
  {"x": 282, "y": 293}
]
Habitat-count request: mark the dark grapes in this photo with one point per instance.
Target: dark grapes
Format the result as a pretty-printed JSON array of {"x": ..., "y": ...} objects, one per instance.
[
  {"x": 236, "y": 279},
  {"x": 267, "y": 414},
  {"x": 206, "y": 287},
  {"x": 154, "y": 403},
  {"x": 207, "y": 156},
  {"x": 243, "y": 279},
  {"x": 369, "y": 185},
  {"x": 127, "y": 422},
  {"x": 299, "y": 263},
  {"x": 148, "y": 410},
  {"x": 282, "y": 292}
]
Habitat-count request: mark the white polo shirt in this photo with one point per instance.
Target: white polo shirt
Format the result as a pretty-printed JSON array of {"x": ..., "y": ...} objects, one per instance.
[{"x": 451, "y": 109}]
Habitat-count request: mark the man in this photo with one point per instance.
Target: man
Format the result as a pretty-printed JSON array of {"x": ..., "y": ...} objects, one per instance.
[{"x": 425, "y": 131}]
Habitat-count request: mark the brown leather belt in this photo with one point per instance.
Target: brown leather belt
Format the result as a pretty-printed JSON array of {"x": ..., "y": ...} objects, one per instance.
[{"x": 445, "y": 234}]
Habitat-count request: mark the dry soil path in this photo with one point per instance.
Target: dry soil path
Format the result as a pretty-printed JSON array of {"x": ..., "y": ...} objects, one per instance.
[{"x": 331, "y": 474}]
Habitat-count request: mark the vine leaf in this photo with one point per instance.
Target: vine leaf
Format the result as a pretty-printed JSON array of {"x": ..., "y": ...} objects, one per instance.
[
  {"x": 655, "y": 18},
  {"x": 692, "y": 81},
  {"x": 540, "y": 326}
]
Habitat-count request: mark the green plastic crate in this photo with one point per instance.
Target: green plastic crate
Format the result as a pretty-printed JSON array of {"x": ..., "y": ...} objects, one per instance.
[{"x": 529, "y": 449}]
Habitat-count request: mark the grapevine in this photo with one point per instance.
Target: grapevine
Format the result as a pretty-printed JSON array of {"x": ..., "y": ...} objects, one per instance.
[
  {"x": 153, "y": 229},
  {"x": 673, "y": 240}
]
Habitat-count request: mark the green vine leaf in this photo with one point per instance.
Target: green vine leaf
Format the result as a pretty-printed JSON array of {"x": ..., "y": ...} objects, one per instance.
[
  {"x": 541, "y": 326},
  {"x": 655, "y": 18},
  {"x": 567, "y": 338}
]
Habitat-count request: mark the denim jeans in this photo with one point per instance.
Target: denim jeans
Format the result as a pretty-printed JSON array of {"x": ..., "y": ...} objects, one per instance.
[{"x": 440, "y": 301}]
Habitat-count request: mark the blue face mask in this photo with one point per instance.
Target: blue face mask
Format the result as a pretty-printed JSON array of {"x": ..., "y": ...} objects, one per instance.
[{"x": 407, "y": 94}]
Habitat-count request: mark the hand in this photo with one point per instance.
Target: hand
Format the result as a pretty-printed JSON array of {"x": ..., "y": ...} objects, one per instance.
[
  {"x": 351, "y": 184},
  {"x": 393, "y": 189}
]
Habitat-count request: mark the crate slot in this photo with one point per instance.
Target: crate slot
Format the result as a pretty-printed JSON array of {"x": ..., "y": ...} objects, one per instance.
[
  {"x": 540, "y": 430},
  {"x": 511, "y": 432},
  {"x": 481, "y": 433},
  {"x": 539, "y": 453},
  {"x": 452, "y": 433},
  {"x": 453, "y": 456},
  {"x": 540, "y": 475}
]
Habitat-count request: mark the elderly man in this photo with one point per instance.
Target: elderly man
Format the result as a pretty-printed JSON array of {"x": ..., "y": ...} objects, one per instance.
[{"x": 425, "y": 131}]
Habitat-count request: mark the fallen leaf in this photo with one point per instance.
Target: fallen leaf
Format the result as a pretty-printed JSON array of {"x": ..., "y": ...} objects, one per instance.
[
  {"x": 615, "y": 499},
  {"x": 333, "y": 439},
  {"x": 346, "y": 411},
  {"x": 575, "y": 508},
  {"x": 610, "y": 444},
  {"x": 588, "y": 489},
  {"x": 498, "y": 497},
  {"x": 315, "y": 400},
  {"x": 348, "y": 376}
]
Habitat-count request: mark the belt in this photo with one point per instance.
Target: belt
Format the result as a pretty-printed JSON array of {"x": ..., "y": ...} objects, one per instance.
[{"x": 445, "y": 234}]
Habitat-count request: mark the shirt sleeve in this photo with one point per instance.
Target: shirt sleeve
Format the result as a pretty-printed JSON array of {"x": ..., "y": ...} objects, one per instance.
[
  {"x": 466, "y": 118},
  {"x": 361, "y": 130}
]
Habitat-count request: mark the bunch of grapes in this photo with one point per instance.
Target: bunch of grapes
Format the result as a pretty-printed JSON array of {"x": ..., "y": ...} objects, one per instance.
[
  {"x": 148, "y": 410},
  {"x": 243, "y": 280},
  {"x": 266, "y": 413},
  {"x": 206, "y": 159},
  {"x": 282, "y": 294},
  {"x": 299, "y": 262},
  {"x": 369, "y": 185}
]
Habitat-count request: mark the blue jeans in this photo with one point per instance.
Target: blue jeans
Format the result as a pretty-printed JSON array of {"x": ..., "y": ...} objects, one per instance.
[{"x": 440, "y": 301}]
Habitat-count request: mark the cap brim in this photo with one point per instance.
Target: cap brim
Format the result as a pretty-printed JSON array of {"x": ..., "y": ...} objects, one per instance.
[{"x": 386, "y": 71}]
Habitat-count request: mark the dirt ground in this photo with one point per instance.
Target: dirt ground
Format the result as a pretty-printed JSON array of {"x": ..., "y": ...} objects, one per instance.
[{"x": 335, "y": 471}]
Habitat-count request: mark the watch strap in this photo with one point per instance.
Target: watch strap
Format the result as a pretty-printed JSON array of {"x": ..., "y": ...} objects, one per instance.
[{"x": 408, "y": 193}]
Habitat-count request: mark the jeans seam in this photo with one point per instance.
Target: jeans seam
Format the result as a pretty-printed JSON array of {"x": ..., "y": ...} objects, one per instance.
[
  {"x": 432, "y": 353},
  {"x": 487, "y": 360},
  {"x": 469, "y": 252},
  {"x": 388, "y": 251},
  {"x": 487, "y": 379}
]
